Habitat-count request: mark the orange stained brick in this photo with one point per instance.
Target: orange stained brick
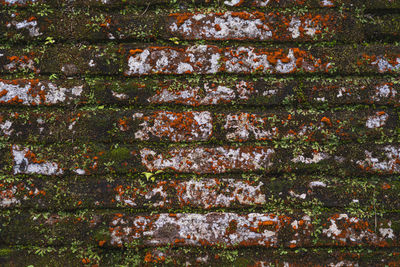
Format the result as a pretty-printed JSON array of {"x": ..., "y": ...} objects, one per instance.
[
  {"x": 181, "y": 17},
  {"x": 327, "y": 121},
  {"x": 134, "y": 51},
  {"x": 266, "y": 223},
  {"x": 386, "y": 186},
  {"x": 148, "y": 257}
]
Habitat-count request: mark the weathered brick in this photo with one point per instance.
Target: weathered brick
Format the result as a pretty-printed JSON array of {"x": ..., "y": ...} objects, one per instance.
[
  {"x": 209, "y": 229},
  {"x": 192, "y": 126},
  {"x": 205, "y": 193},
  {"x": 314, "y": 3},
  {"x": 27, "y": 25},
  {"x": 166, "y": 192},
  {"x": 206, "y": 91},
  {"x": 243, "y": 126},
  {"x": 200, "y": 59},
  {"x": 259, "y": 26},
  {"x": 63, "y": 159},
  {"x": 214, "y": 256},
  {"x": 35, "y": 92},
  {"x": 379, "y": 4},
  {"x": 208, "y": 160}
]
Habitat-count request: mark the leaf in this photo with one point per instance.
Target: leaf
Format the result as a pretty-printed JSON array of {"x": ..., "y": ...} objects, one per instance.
[{"x": 148, "y": 175}]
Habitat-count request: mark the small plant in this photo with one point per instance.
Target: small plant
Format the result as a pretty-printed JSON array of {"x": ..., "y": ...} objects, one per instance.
[
  {"x": 50, "y": 40},
  {"x": 150, "y": 175},
  {"x": 53, "y": 77}
]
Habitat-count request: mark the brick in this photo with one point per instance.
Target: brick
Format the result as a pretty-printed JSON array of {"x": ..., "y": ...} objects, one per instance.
[
  {"x": 34, "y": 92},
  {"x": 259, "y": 26},
  {"x": 28, "y": 25},
  {"x": 63, "y": 159},
  {"x": 208, "y": 160},
  {"x": 205, "y": 92},
  {"x": 257, "y": 92},
  {"x": 57, "y": 3},
  {"x": 326, "y": 126},
  {"x": 205, "y": 193},
  {"x": 311, "y": 3},
  {"x": 181, "y": 256},
  {"x": 380, "y": 4},
  {"x": 200, "y": 59},
  {"x": 201, "y": 230},
  {"x": 169, "y": 192},
  {"x": 124, "y": 126}
]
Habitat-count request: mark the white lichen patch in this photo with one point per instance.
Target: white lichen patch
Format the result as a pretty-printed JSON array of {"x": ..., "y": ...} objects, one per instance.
[
  {"x": 120, "y": 96},
  {"x": 244, "y": 125},
  {"x": 248, "y": 25},
  {"x": 387, "y": 232},
  {"x": 209, "y": 193},
  {"x": 80, "y": 171},
  {"x": 205, "y": 193},
  {"x": 217, "y": 95},
  {"x": 229, "y": 229},
  {"x": 138, "y": 63},
  {"x": 317, "y": 157},
  {"x": 301, "y": 196},
  {"x": 261, "y": 3},
  {"x": 316, "y": 184},
  {"x": 388, "y": 164},
  {"x": 384, "y": 65},
  {"x": 31, "y": 26},
  {"x": 29, "y": 93},
  {"x": 384, "y": 91},
  {"x": 326, "y": 3},
  {"x": 249, "y": 60},
  {"x": 158, "y": 192},
  {"x": 228, "y": 25},
  {"x": 333, "y": 230},
  {"x": 19, "y": 2},
  {"x": 271, "y": 92},
  {"x": 245, "y": 59},
  {"x": 22, "y": 63},
  {"x": 158, "y": 195},
  {"x": 353, "y": 230},
  {"x": 184, "y": 126},
  {"x": 209, "y": 94},
  {"x": 92, "y": 63},
  {"x": 203, "y": 59},
  {"x": 208, "y": 160},
  {"x": 5, "y": 128},
  {"x": 286, "y": 67},
  {"x": 343, "y": 92},
  {"x": 200, "y": 58},
  {"x": 8, "y": 198},
  {"x": 25, "y": 163},
  {"x": 294, "y": 27},
  {"x": 234, "y": 2},
  {"x": 378, "y": 120}
]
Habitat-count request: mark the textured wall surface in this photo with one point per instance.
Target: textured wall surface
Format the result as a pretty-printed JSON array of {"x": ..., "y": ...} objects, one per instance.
[{"x": 200, "y": 132}]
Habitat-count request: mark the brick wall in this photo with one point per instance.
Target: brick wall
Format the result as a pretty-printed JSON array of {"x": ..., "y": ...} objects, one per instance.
[{"x": 204, "y": 132}]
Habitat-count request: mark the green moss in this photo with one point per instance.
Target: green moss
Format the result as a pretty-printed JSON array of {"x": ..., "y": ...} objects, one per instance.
[
  {"x": 396, "y": 226},
  {"x": 6, "y": 252},
  {"x": 119, "y": 154}
]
